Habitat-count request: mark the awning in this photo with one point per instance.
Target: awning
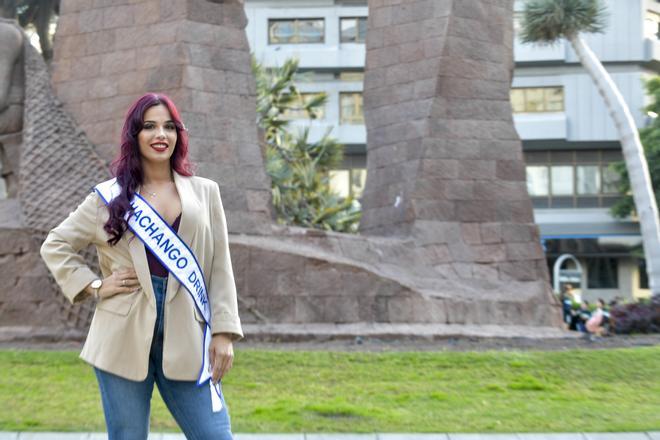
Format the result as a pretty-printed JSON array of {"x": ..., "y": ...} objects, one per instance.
[{"x": 592, "y": 245}]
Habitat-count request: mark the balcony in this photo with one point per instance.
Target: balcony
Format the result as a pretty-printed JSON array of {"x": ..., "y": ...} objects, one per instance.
[
  {"x": 345, "y": 134},
  {"x": 585, "y": 222},
  {"x": 531, "y": 126},
  {"x": 534, "y": 53},
  {"x": 651, "y": 49}
]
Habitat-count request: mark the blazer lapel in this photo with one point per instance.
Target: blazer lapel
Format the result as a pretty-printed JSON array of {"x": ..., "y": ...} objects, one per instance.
[
  {"x": 187, "y": 224},
  {"x": 139, "y": 257},
  {"x": 189, "y": 211}
]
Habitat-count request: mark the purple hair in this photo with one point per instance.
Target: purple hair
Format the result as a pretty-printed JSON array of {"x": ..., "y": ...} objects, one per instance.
[{"x": 127, "y": 167}]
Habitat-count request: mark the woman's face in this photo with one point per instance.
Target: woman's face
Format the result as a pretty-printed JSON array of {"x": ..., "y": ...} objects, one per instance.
[{"x": 157, "y": 138}]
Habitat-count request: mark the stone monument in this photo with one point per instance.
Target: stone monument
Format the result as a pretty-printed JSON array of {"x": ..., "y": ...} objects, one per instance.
[
  {"x": 447, "y": 241},
  {"x": 445, "y": 162}
]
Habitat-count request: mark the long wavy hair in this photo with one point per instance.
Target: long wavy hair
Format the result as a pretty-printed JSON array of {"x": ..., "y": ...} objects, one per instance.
[{"x": 127, "y": 167}]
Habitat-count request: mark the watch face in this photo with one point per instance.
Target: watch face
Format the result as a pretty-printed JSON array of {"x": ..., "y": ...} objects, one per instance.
[{"x": 96, "y": 284}]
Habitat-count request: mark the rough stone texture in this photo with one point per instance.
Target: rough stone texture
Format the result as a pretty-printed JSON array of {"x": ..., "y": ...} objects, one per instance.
[
  {"x": 52, "y": 185},
  {"x": 445, "y": 162},
  {"x": 27, "y": 296},
  {"x": 295, "y": 275},
  {"x": 109, "y": 53}
]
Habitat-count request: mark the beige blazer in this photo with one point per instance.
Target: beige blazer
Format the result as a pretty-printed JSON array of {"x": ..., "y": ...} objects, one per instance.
[{"x": 122, "y": 328}]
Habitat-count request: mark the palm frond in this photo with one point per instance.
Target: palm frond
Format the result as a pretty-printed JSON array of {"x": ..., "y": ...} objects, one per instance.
[
  {"x": 301, "y": 190},
  {"x": 546, "y": 21}
]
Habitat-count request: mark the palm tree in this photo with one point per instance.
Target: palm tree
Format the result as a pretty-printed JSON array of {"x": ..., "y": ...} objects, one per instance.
[
  {"x": 299, "y": 169},
  {"x": 546, "y": 21}
]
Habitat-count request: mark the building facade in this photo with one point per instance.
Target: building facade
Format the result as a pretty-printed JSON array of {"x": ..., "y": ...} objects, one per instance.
[{"x": 569, "y": 139}]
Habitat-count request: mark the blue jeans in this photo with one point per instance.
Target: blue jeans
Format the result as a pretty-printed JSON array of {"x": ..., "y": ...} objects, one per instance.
[{"x": 127, "y": 403}]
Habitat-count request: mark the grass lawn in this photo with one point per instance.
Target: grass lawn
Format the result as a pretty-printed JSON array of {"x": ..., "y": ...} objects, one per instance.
[{"x": 280, "y": 391}]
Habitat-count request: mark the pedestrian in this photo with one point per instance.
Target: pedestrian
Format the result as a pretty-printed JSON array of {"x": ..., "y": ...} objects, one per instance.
[
  {"x": 166, "y": 310},
  {"x": 581, "y": 317},
  {"x": 597, "y": 324},
  {"x": 566, "y": 299}
]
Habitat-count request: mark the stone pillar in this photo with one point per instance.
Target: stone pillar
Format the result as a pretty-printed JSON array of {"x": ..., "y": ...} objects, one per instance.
[
  {"x": 109, "y": 52},
  {"x": 12, "y": 94},
  {"x": 445, "y": 162}
]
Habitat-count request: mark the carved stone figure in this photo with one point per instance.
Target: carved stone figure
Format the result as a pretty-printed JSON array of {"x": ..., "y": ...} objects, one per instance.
[
  {"x": 48, "y": 165},
  {"x": 11, "y": 102}
]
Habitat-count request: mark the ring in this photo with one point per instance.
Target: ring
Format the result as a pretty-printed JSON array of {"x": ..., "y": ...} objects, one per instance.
[{"x": 123, "y": 282}]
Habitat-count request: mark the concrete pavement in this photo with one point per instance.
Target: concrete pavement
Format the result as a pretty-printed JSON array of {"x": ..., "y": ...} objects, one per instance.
[{"x": 655, "y": 435}]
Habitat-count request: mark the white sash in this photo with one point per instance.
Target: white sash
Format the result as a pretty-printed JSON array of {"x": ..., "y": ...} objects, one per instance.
[{"x": 176, "y": 256}]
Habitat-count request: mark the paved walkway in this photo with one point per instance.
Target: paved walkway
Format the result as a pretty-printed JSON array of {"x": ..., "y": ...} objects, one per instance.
[{"x": 539, "y": 436}]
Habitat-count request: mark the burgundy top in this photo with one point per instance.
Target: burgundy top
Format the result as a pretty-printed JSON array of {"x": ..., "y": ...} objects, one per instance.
[{"x": 155, "y": 268}]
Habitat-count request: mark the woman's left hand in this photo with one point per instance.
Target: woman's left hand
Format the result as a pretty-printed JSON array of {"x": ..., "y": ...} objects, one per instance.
[{"x": 221, "y": 356}]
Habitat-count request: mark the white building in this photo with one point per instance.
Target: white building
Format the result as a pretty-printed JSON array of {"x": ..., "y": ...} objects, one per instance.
[{"x": 568, "y": 136}]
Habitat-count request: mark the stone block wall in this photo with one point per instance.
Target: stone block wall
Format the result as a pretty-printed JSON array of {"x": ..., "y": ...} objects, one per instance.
[
  {"x": 27, "y": 297},
  {"x": 109, "y": 52},
  {"x": 445, "y": 162},
  {"x": 295, "y": 277}
]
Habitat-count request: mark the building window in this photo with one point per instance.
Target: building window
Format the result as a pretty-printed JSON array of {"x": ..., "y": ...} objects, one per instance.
[
  {"x": 348, "y": 182},
  {"x": 350, "y": 177},
  {"x": 588, "y": 179},
  {"x": 358, "y": 179},
  {"x": 652, "y": 25},
  {"x": 561, "y": 178},
  {"x": 611, "y": 180},
  {"x": 537, "y": 99},
  {"x": 350, "y": 108},
  {"x": 537, "y": 180},
  {"x": 340, "y": 182},
  {"x": 517, "y": 22},
  {"x": 602, "y": 273},
  {"x": 351, "y": 76},
  {"x": 353, "y": 29},
  {"x": 296, "y": 31},
  {"x": 8, "y": 187},
  {"x": 643, "y": 276},
  {"x": 298, "y": 111},
  {"x": 572, "y": 179}
]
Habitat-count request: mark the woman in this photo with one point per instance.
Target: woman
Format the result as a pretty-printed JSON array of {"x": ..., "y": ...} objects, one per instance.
[{"x": 167, "y": 295}]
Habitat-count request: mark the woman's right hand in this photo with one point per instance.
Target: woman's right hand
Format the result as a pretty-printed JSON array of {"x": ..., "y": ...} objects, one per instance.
[{"x": 121, "y": 281}]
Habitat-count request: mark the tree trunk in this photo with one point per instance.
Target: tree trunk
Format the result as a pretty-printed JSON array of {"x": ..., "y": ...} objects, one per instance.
[
  {"x": 633, "y": 154},
  {"x": 42, "y": 23}
]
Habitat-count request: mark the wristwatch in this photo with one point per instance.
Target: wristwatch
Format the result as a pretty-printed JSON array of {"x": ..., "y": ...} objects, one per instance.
[{"x": 96, "y": 285}]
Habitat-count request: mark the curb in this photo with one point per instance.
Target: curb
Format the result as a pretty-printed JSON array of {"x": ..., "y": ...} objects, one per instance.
[
  {"x": 322, "y": 332},
  {"x": 654, "y": 435}
]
